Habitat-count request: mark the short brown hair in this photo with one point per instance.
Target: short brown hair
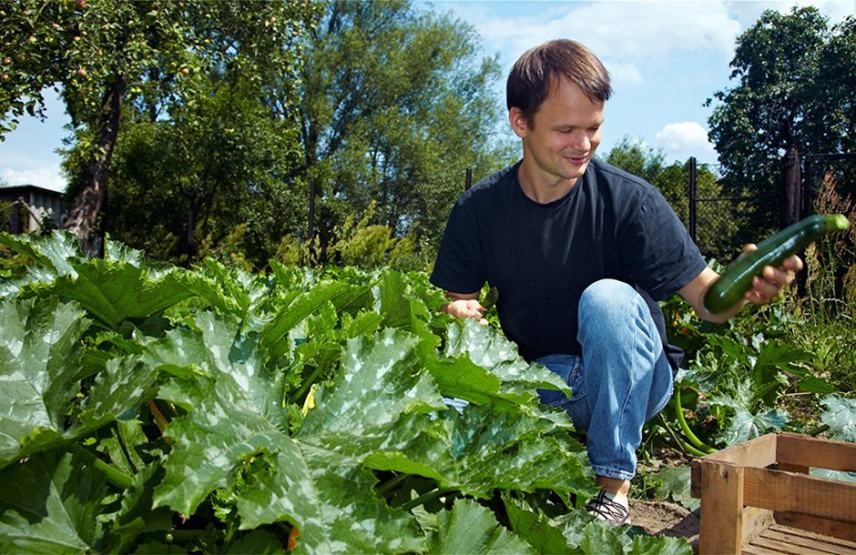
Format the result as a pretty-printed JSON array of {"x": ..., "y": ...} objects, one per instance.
[{"x": 534, "y": 73}]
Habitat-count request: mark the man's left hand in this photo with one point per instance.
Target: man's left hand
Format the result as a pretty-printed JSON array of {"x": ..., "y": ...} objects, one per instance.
[{"x": 766, "y": 286}]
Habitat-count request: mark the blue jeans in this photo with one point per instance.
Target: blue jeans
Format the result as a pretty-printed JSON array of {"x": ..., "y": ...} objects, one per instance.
[{"x": 621, "y": 380}]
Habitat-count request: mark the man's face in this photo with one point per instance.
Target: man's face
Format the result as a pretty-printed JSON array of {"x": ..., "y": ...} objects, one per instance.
[{"x": 562, "y": 136}]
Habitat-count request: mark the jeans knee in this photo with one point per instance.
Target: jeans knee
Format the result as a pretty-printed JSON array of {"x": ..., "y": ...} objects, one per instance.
[{"x": 608, "y": 298}]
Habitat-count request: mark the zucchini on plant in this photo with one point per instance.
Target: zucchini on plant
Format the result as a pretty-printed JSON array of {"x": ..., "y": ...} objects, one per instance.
[{"x": 737, "y": 277}]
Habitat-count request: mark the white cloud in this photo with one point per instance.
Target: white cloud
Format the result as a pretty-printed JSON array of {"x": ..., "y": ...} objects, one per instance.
[
  {"x": 618, "y": 32},
  {"x": 49, "y": 178},
  {"x": 624, "y": 74},
  {"x": 683, "y": 139}
]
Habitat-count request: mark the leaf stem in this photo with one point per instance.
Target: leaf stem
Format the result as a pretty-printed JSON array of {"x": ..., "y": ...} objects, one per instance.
[
  {"x": 685, "y": 427},
  {"x": 161, "y": 421},
  {"x": 113, "y": 474},
  {"x": 123, "y": 446},
  {"x": 390, "y": 484},
  {"x": 425, "y": 498},
  {"x": 689, "y": 449},
  {"x": 306, "y": 384},
  {"x": 182, "y": 536}
]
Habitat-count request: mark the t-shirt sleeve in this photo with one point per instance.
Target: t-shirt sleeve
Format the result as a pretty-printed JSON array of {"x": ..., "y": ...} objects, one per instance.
[
  {"x": 657, "y": 251},
  {"x": 459, "y": 266}
]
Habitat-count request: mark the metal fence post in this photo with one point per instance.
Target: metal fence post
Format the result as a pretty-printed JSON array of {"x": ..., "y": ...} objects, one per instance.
[
  {"x": 691, "y": 195},
  {"x": 807, "y": 187}
]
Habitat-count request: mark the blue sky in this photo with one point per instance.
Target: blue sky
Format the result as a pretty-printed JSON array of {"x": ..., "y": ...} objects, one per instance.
[{"x": 665, "y": 59}]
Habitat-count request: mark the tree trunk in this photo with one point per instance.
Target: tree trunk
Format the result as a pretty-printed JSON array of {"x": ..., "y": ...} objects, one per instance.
[
  {"x": 83, "y": 217},
  {"x": 793, "y": 202},
  {"x": 189, "y": 247},
  {"x": 311, "y": 231}
]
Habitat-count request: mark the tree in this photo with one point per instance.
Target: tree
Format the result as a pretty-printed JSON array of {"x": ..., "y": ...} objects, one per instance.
[
  {"x": 396, "y": 104},
  {"x": 634, "y": 157},
  {"x": 187, "y": 180},
  {"x": 106, "y": 55},
  {"x": 794, "y": 89}
]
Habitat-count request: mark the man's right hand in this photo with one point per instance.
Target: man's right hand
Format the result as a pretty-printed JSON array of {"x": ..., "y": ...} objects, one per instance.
[{"x": 466, "y": 308}]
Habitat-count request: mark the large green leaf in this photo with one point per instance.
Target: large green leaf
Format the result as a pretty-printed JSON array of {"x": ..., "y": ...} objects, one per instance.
[
  {"x": 116, "y": 291},
  {"x": 233, "y": 291},
  {"x": 490, "y": 449},
  {"x": 39, "y": 357},
  {"x": 135, "y": 515},
  {"x": 227, "y": 444},
  {"x": 541, "y": 534},
  {"x": 577, "y": 532},
  {"x": 595, "y": 537},
  {"x": 746, "y": 425},
  {"x": 329, "y": 498},
  {"x": 40, "y": 360},
  {"x": 840, "y": 415},
  {"x": 378, "y": 383},
  {"x": 50, "y": 505},
  {"x": 382, "y": 408},
  {"x": 747, "y": 422},
  {"x": 471, "y": 528},
  {"x": 304, "y": 304},
  {"x": 52, "y": 256},
  {"x": 489, "y": 348},
  {"x": 214, "y": 346},
  {"x": 121, "y": 386},
  {"x": 233, "y": 441}
]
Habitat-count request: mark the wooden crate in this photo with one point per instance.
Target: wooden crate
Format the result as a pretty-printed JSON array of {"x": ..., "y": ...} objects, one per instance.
[{"x": 757, "y": 497}]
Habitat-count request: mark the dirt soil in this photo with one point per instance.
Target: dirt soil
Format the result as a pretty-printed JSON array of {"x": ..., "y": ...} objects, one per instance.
[{"x": 664, "y": 518}]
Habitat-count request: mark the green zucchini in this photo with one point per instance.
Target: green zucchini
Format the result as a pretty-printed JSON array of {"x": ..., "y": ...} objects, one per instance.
[{"x": 736, "y": 279}]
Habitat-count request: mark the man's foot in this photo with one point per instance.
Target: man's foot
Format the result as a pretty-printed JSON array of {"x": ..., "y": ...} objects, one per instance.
[{"x": 610, "y": 507}]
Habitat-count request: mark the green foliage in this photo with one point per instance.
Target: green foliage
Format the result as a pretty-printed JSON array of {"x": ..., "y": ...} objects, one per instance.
[
  {"x": 793, "y": 88},
  {"x": 635, "y": 158},
  {"x": 194, "y": 71},
  {"x": 769, "y": 368},
  {"x": 396, "y": 104},
  {"x": 577, "y": 532},
  {"x": 173, "y": 415},
  {"x": 470, "y": 528}
]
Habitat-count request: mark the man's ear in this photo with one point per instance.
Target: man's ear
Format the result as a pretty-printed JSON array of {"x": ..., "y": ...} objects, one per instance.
[{"x": 519, "y": 123}]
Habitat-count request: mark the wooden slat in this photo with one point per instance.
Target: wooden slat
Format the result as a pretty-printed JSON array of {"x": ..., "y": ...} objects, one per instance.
[
  {"x": 795, "y": 449},
  {"x": 759, "y": 452},
  {"x": 758, "y": 550},
  {"x": 695, "y": 478},
  {"x": 801, "y": 469},
  {"x": 721, "y": 528},
  {"x": 755, "y": 522},
  {"x": 814, "y": 544},
  {"x": 802, "y": 532},
  {"x": 783, "y": 491},
  {"x": 783, "y": 547},
  {"x": 834, "y": 529}
]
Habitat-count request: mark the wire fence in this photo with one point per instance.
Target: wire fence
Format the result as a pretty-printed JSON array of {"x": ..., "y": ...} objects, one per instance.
[{"x": 721, "y": 226}]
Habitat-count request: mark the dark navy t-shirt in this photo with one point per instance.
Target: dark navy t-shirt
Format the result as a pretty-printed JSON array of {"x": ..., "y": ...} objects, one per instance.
[{"x": 542, "y": 256}]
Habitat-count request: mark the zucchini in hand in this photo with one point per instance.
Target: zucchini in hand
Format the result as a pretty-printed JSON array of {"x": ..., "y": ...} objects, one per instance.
[{"x": 737, "y": 277}]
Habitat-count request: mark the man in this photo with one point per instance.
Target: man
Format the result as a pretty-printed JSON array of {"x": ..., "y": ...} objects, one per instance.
[{"x": 580, "y": 253}]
